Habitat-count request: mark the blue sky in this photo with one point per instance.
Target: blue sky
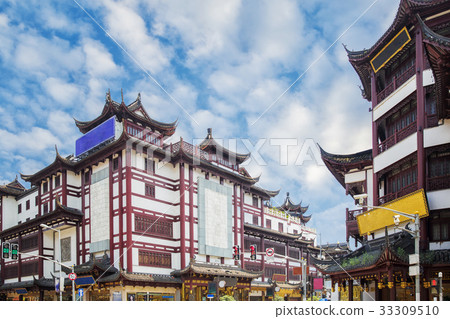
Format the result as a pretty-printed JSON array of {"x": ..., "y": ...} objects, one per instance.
[{"x": 221, "y": 64}]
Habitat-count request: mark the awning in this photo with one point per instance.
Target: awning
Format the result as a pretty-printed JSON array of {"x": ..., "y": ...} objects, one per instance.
[{"x": 378, "y": 218}]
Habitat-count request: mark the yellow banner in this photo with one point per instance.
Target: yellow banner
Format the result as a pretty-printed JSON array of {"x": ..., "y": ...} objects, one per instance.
[{"x": 378, "y": 218}]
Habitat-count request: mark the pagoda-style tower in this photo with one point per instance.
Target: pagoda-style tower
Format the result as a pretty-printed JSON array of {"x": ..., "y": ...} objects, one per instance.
[{"x": 296, "y": 210}]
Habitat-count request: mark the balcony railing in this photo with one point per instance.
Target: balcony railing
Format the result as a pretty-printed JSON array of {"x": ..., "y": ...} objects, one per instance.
[
  {"x": 402, "y": 192},
  {"x": 397, "y": 137},
  {"x": 437, "y": 183},
  {"x": 396, "y": 83},
  {"x": 144, "y": 134},
  {"x": 351, "y": 223}
]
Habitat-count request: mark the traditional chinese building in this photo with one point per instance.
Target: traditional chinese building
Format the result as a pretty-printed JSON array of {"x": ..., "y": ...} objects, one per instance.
[
  {"x": 405, "y": 75},
  {"x": 144, "y": 219}
]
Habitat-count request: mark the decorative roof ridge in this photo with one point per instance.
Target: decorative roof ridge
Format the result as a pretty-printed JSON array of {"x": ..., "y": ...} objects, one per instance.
[
  {"x": 432, "y": 36},
  {"x": 209, "y": 141},
  {"x": 331, "y": 156}
]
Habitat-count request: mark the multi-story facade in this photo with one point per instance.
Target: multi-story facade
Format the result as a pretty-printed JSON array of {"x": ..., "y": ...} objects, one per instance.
[
  {"x": 142, "y": 219},
  {"x": 405, "y": 75}
]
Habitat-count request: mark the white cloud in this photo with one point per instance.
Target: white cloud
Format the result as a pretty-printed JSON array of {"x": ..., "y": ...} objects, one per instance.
[
  {"x": 99, "y": 62},
  {"x": 28, "y": 142},
  {"x": 62, "y": 92}
]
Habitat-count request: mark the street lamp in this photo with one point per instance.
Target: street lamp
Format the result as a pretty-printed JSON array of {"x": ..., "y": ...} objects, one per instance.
[
  {"x": 415, "y": 232},
  {"x": 60, "y": 257}
]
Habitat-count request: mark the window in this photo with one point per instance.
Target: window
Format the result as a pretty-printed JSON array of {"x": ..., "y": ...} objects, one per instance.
[
  {"x": 65, "y": 249},
  {"x": 255, "y": 201},
  {"x": 149, "y": 166},
  {"x": 439, "y": 224},
  {"x": 19, "y": 208},
  {"x": 402, "y": 179},
  {"x": 29, "y": 243},
  {"x": 57, "y": 181},
  {"x": 45, "y": 187},
  {"x": 255, "y": 220},
  {"x": 150, "y": 190},
  {"x": 268, "y": 223},
  {"x": 115, "y": 164},
  {"x": 86, "y": 177},
  {"x": 439, "y": 164},
  {"x": 280, "y": 227},
  {"x": 153, "y": 225},
  {"x": 36, "y": 201},
  {"x": 155, "y": 259},
  {"x": 45, "y": 208},
  {"x": 27, "y": 205}
]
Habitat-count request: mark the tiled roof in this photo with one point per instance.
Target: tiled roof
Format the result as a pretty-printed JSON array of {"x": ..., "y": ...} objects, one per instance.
[{"x": 216, "y": 270}]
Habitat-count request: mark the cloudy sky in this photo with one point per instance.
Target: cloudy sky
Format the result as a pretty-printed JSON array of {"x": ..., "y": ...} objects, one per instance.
[{"x": 271, "y": 77}]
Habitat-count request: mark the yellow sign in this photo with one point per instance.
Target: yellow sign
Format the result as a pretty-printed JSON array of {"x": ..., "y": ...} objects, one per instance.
[
  {"x": 378, "y": 218},
  {"x": 398, "y": 42}
]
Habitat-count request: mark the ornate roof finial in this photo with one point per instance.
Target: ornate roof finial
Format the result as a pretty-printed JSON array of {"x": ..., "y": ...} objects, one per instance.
[
  {"x": 121, "y": 93},
  {"x": 287, "y": 194},
  {"x": 139, "y": 96},
  {"x": 209, "y": 132},
  {"x": 108, "y": 96}
]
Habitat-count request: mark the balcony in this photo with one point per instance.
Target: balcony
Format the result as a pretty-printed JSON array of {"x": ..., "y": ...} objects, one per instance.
[
  {"x": 402, "y": 192},
  {"x": 438, "y": 183},
  {"x": 396, "y": 83},
  {"x": 351, "y": 223},
  {"x": 397, "y": 137},
  {"x": 144, "y": 134}
]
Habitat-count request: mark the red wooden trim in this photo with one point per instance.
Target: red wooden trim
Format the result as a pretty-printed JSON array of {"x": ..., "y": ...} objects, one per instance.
[
  {"x": 121, "y": 210},
  {"x": 373, "y": 88},
  {"x": 155, "y": 199},
  {"x": 141, "y": 212},
  {"x": 19, "y": 270},
  {"x": 83, "y": 221},
  {"x": 111, "y": 211},
  {"x": 235, "y": 217},
  {"x": 191, "y": 212},
  {"x": 64, "y": 187},
  {"x": 129, "y": 211},
  {"x": 182, "y": 218},
  {"x": 420, "y": 109},
  {"x": 39, "y": 199},
  {"x": 242, "y": 225},
  {"x": 50, "y": 182},
  {"x": 1, "y": 213},
  {"x": 77, "y": 241}
]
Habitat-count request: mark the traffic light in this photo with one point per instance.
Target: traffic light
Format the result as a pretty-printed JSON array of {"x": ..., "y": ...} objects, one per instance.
[
  {"x": 236, "y": 252},
  {"x": 5, "y": 250},
  {"x": 253, "y": 252},
  {"x": 434, "y": 282},
  {"x": 14, "y": 251}
]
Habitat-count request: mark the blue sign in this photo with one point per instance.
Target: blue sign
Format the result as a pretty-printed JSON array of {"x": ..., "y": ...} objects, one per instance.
[
  {"x": 96, "y": 136},
  {"x": 21, "y": 291},
  {"x": 80, "y": 292},
  {"x": 210, "y": 295},
  {"x": 88, "y": 280}
]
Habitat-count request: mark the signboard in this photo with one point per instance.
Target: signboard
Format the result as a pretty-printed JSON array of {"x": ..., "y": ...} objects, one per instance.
[
  {"x": 80, "y": 292},
  {"x": 21, "y": 291},
  {"x": 87, "y": 280},
  {"x": 297, "y": 271},
  {"x": 210, "y": 296},
  {"x": 279, "y": 277},
  {"x": 96, "y": 136},
  {"x": 72, "y": 276},
  {"x": 391, "y": 49},
  {"x": 318, "y": 283},
  {"x": 378, "y": 218},
  {"x": 414, "y": 270}
]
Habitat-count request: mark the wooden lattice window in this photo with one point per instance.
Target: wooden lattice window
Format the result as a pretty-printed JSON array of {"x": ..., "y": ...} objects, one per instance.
[
  {"x": 29, "y": 243},
  {"x": 155, "y": 259},
  {"x": 255, "y": 201},
  {"x": 150, "y": 190},
  {"x": 153, "y": 225},
  {"x": 30, "y": 268},
  {"x": 10, "y": 271},
  {"x": 268, "y": 223},
  {"x": 57, "y": 181}
]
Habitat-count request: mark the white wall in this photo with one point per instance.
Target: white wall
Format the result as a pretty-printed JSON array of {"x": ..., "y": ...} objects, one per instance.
[
  {"x": 437, "y": 135},
  {"x": 395, "y": 153}
]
